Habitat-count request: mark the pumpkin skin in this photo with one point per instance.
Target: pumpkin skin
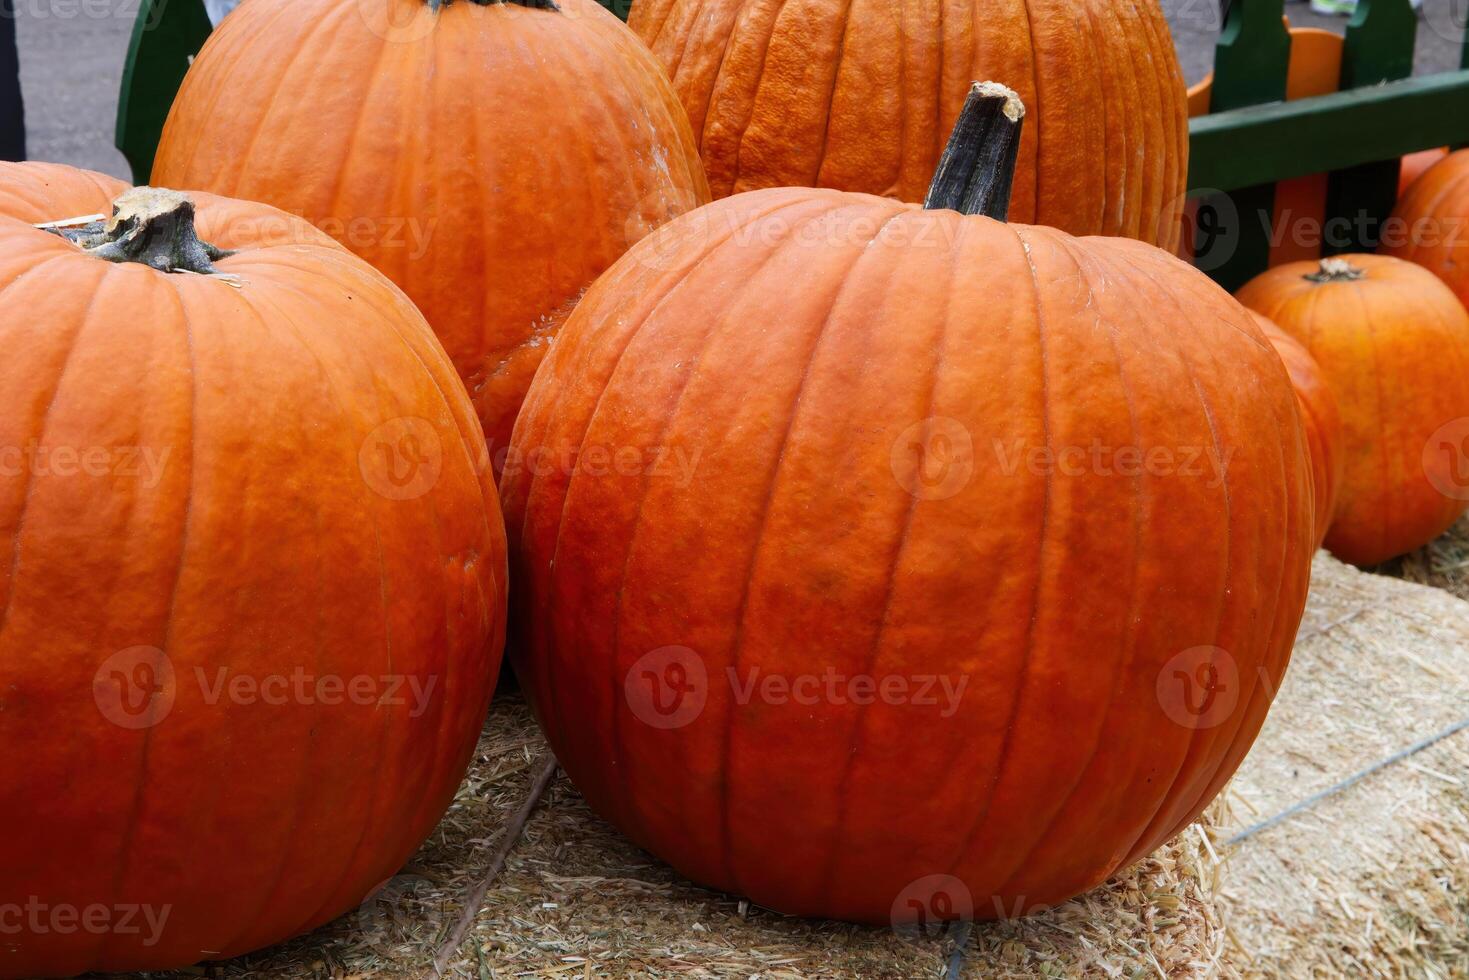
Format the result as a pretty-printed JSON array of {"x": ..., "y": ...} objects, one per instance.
[
  {"x": 862, "y": 96},
  {"x": 1415, "y": 165},
  {"x": 491, "y": 160},
  {"x": 262, "y": 540},
  {"x": 1320, "y": 417},
  {"x": 39, "y": 192},
  {"x": 1430, "y": 225},
  {"x": 1393, "y": 346},
  {"x": 772, "y": 359}
]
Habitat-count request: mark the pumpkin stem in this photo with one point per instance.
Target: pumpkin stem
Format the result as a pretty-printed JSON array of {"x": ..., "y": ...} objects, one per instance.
[
  {"x": 1336, "y": 270},
  {"x": 148, "y": 225},
  {"x": 977, "y": 169}
]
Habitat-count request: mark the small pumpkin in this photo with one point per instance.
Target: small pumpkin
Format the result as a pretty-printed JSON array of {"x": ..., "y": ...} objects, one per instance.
[
  {"x": 1321, "y": 419},
  {"x": 861, "y": 97},
  {"x": 492, "y": 159},
  {"x": 1393, "y": 345},
  {"x": 1415, "y": 165},
  {"x": 254, "y": 602},
  {"x": 962, "y": 562},
  {"x": 1430, "y": 225}
]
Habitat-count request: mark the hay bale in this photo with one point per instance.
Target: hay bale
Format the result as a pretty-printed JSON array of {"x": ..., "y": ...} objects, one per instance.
[
  {"x": 1373, "y": 880},
  {"x": 577, "y": 900},
  {"x": 1443, "y": 563}
]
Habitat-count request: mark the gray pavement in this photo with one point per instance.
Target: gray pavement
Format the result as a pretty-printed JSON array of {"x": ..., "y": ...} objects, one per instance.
[{"x": 71, "y": 54}]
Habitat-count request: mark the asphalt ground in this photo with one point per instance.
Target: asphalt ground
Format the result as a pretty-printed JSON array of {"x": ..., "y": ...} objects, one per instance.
[{"x": 71, "y": 55}]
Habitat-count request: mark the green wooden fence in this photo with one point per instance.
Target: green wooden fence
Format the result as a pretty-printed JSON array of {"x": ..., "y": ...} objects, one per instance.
[{"x": 1250, "y": 140}]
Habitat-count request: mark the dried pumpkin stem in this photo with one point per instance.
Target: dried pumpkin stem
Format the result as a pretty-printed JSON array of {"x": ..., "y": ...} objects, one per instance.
[
  {"x": 1336, "y": 270},
  {"x": 151, "y": 226},
  {"x": 977, "y": 170}
]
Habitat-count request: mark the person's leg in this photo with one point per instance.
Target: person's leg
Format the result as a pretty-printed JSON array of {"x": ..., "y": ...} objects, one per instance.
[{"x": 12, "y": 113}]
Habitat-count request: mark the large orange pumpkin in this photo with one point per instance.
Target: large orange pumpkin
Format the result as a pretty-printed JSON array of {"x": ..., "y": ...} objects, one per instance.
[
  {"x": 1393, "y": 345},
  {"x": 1430, "y": 225},
  {"x": 861, "y": 96},
  {"x": 1321, "y": 418},
  {"x": 874, "y": 560},
  {"x": 253, "y": 603},
  {"x": 490, "y": 158}
]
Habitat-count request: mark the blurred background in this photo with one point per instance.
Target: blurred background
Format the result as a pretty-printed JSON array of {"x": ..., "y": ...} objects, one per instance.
[{"x": 71, "y": 57}]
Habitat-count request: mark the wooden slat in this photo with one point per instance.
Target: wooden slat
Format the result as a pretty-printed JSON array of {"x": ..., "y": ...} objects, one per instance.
[
  {"x": 166, "y": 36},
  {"x": 1379, "y": 48},
  {"x": 1251, "y": 63},
  {"x": 1246, "y": 147}
]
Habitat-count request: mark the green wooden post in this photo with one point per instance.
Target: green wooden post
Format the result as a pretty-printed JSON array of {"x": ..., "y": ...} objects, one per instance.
[
  {"x": 166, "y": 36},
  {"x": 1379, "y": 48},
  {"x": 1232, "y": 240}
]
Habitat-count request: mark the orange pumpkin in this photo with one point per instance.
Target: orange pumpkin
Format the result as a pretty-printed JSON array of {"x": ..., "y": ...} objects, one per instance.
[
  {"x": 861, "y": 97},
  {"x": 1430, "y": 225},
  {"x": 1393, "y": 345},
  {"x": 1415, "y": 165},
  {"x": 490, "y": 158},
  {"x": 1321, "y": 419},
  {"x": 875, "y": 561},
  {"x": 254, "y": 597}
]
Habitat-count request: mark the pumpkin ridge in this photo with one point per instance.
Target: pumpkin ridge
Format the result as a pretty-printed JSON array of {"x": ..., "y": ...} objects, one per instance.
[
  {"x": 836, "y": 80},
  {"x": 137, "y": 806},
  {"x": 470, "y": 444},
  {"x": 1269, "y": 677},
  {"x": 938, "y": 99},
  {"x": 900, "y": 543},
  {"x": 1002, "y": 757},
  {"x": 354, "y": 131},
  {"x": 1032, "y": 58},
  {"x": 1262, "y": 683},
  {"x": 278, "y": 86},
  {"x": 1182, "y": 777},
  {"x": 1173, "y": 134},
  {"x": 1385, "y": 527},
  {"x": 1129, "y": 653},
  {"x": 683, "y": 49},
  {"x": 429, "y": 773},
  {"x": 617, "y": 742},
  {"x": 1104, "y": 217},
  {"x": 25, "y": 500},
  {"x": 472, "y": 466},
  {"x": 546, "y": 664},
  {"x": 762, "y": 517},
  {"x": 266, "y": 28},
  {"x": 729, "y": 37},
  {"x": 250, "y": 923},
  {"x": 744, "y": 128},
  {"x": 349, "y": 865}
]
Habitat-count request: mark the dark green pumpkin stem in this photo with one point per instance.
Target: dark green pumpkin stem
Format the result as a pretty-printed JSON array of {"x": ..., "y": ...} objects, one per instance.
[
  {"x": 975, "y": 174},
  {"x": 149, "y": 225}
]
